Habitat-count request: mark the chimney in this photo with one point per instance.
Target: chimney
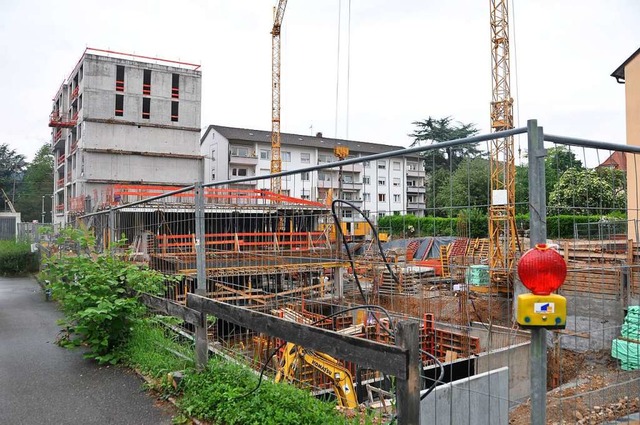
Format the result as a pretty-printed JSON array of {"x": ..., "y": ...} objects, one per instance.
[{"x": 319, "y": 134}]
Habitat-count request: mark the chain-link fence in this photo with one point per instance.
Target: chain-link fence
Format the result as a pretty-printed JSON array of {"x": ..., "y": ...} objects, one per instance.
[{"x": 333, "y": 258}]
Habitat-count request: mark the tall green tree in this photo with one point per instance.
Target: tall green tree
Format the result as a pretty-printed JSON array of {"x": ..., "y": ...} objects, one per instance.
[
  {"x": 37, "y": 182},
  {"x": 440, "y": 164},
  {"x": 522, "y": 189},
  {"x": 468, "y": 186},
  {"x": 12, "y": 166},
  {"x": 438, "y": 130},
  {"x": 558, "y": 160}
]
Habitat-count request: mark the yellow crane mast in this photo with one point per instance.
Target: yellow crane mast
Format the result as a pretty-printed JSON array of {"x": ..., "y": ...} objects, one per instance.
[
  {"x": 276, "y": 161},
  {"x": 503, "y": 237}
]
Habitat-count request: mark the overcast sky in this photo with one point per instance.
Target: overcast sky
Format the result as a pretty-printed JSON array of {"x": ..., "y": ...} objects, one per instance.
[{"x": 408, "y": 59}]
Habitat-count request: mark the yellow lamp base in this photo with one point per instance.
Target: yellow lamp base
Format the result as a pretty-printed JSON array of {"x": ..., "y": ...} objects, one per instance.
[{"x": 542, "y": 311}]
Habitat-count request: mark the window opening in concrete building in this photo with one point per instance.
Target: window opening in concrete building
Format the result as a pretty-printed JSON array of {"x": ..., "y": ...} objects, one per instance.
[
  {"x": 382, "y": 164},
  {"x": 119, "y": 78},
  {"x": 265, "y": 154},
  {"x": 396, "y": 198},
  {"x": 382, "y": 181},
  {"x": 239, "y": 172},
  {"x": 146, "y": 82},
  {"x": 146, "y": 108},
  {"x": 304, "y": 176},
  {"x": 174, "y": 111},
  {"x": 175, "y": 86},
  {"x": 396, "y": 165},
  {"x": 382, "y": 197},
  {"x": 286, "y": 156},
  {"x": 366, "y": 179},
  {"x": 396, "y": 181},
  {"x": 119, "y": 105},
  {"x": 305, "y": 157}
]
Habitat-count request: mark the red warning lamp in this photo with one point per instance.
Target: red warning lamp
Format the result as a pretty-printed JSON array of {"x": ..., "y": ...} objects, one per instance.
[{"x": 542, "y": 270}]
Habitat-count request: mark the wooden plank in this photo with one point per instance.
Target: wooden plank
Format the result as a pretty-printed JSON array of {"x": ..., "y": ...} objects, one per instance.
[
  {"x": 385, "y": 358},
  {"x": 167, "y": 307}
]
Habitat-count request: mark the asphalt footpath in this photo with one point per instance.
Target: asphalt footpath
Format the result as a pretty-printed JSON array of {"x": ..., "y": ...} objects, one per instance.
[{"x": 41, "y": 383}]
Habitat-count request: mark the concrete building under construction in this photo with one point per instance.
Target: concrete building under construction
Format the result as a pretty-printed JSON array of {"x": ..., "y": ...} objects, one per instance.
[{"x": 122, "y": 118}]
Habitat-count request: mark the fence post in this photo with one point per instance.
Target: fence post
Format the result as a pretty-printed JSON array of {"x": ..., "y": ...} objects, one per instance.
[
  {"x": 408, "y": 392},
  {"x": 538, "y": 234},
  {"x": 202, "y": 346},
  {"x": 113, "y": 236}
]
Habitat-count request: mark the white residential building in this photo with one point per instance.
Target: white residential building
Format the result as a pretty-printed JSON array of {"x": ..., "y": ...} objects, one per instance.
[
  {"x": 387, "y": 186},
  {"x": 123, "y": 119}
]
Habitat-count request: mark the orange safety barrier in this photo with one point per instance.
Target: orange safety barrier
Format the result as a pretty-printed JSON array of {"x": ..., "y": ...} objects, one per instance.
[
  {"x": 146, "y": 89},
  {"x": 142, "y": 191},
  {"x": 119, "y": 85}
]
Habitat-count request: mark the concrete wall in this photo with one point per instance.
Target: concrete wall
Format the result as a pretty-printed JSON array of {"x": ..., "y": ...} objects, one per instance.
[
  {"x": 140, "y": 139},
  {"x": 594, "y": 321},
  {"x": 135, "y": 168},
  {"x": 516, "y": 358},
  {"x": 479, "y": 400},
  {"x": 98, "y": 88}
]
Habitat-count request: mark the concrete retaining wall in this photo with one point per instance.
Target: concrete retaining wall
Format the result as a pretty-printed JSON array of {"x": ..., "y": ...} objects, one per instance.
[{"x": 479, "y": 400}]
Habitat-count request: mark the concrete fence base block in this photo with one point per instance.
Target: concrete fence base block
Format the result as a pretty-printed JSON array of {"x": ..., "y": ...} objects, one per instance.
[{"x": 479, "y": 400}]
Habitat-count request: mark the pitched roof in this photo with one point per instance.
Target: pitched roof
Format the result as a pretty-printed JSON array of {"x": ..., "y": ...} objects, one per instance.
[
  {"x": 618, "y": 74},
  {"x": 617, "y": 160},
  {"x": 289, "y": 139}
]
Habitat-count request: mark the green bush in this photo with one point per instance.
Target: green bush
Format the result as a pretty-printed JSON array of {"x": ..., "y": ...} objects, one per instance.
[
  {"x": 16, "y": 258},
  {"x": 94, "y": 294},
  {"x": 559, "y": 226}
]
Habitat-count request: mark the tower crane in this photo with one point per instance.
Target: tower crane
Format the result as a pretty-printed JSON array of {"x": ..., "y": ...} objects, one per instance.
[
  {"x": 503, "y": 238},
  {"x": 276, "y": 161}
]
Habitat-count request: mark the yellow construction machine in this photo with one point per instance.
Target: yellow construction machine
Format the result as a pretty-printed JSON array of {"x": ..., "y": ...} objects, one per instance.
[{"x": 294, "y": 359}]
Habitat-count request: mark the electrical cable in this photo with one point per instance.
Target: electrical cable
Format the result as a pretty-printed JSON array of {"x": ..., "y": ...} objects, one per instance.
[
  {"x": 365, "y": 306},
  {"x": 393, "y": 275}
]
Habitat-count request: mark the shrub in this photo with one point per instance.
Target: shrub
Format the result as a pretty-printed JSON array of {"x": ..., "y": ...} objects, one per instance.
[
  {"x": 94, "y": 294},
  {"x": 16, "y": 258}
]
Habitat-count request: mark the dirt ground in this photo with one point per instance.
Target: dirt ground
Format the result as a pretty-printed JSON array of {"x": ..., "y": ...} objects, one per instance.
[{"x": 589, "y": 389}]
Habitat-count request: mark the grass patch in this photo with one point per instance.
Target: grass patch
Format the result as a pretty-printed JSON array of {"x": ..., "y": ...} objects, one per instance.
[
  {"x": 217, "y": 394},
  {"x": 149, "y": 350}
]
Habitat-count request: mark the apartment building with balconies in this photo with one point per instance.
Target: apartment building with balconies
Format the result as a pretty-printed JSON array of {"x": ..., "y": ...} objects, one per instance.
[
  {"x": 382, "y": 187},
  {"x": 123, "y": 119}
]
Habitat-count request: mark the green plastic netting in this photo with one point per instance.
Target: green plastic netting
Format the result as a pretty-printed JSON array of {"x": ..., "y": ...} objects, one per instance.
[{"x": 628, "y": 352}]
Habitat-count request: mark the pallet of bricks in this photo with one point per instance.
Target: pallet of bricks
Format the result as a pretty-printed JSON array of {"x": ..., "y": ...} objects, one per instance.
[{"x": 445, "y": 345}]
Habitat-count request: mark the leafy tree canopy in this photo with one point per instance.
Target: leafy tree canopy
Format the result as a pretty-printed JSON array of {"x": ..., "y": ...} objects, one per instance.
[
  {"x": 582, "y": 191},
  {"x": 438, "y": 130},
  {"x": 37, "y": 182},
  {"x": 12, "y": 166}
]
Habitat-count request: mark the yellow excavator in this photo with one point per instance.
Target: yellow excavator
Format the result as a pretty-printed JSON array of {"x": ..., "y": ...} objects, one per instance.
[{"x": 295, "y": 357}]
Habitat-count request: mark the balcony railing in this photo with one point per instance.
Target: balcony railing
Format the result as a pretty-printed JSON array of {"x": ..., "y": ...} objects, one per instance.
[
  {"x": 60, "y": 182},
  {"x": 61, "y": 159},
  {"x": 58, "y": 120},
  {"x": 74, "y": 93}
]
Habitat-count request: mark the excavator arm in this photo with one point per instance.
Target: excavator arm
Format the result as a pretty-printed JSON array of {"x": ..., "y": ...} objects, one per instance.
[{"x": 341, "y": 378}]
